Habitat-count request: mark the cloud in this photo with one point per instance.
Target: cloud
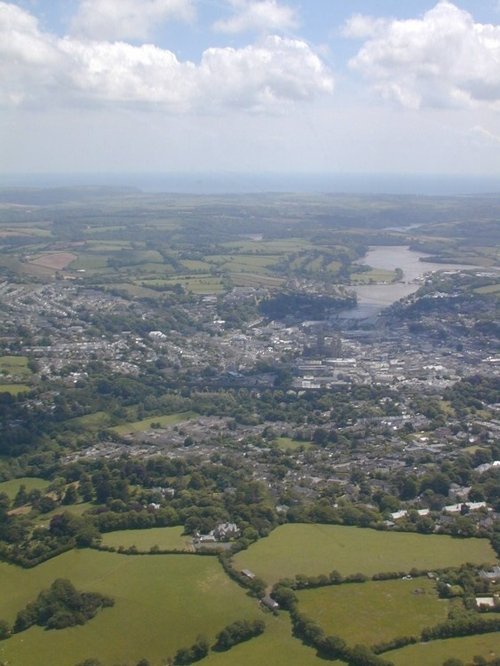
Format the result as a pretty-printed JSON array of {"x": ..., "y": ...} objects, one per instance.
[
  {"x": 41, "y": 69},
  {"x": 127, "y": 19},
  {"x": 359, "y": 26},
  {"x": 262, "y": 15},
  {"x": 478, "y": 130},
  {"x": 443, "y": 59}
]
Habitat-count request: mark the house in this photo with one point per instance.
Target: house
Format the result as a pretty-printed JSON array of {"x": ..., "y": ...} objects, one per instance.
[
  {"x": 226, "y": 531},
  {"x": 493, "y": 575},
  {"x": 270, "y": 603}
]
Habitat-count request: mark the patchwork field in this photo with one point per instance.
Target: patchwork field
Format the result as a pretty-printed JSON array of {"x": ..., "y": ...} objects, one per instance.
[
  {"x": 315, "y": 549},
  {"x": 374, "y": 612},
  {"x": 171, "y": 538},
  {"x": 162, "y": 603},
  {"x": 436, "y": 652},
  {"x": 31, "y": 483}
]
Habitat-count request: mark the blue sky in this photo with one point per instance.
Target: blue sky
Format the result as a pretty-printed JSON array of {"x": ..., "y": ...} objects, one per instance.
[{"x": 341, "y": 86}]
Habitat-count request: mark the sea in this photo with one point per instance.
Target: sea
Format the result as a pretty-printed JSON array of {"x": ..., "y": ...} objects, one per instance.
[{"x": 259, "y": 183}]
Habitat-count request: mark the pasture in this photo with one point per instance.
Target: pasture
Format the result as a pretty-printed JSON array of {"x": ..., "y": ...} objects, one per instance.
[
  {"x": 162, "y": 603},
  {"x": 11, "y": 487},
  {"x": 315, "y": 549},
  {"x": 14, "y": 365},
  {"x": 276, "y": 646},
  {"x": 435, "y": 653},
  {"x": 375, "y": 611},
  {"x": 14, "y": 389},
  {"x": 166, "y": 538},
  {"x": 145, "y": 424},
  {"x": 289, "y": 444}
]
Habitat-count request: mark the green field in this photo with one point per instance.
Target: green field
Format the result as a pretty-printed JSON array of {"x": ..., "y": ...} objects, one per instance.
[
  {"x": 289, "y": 444},
  {"x": 14, "y": 389},
  {"x": 170, "y": 538},
  {"x": 374, "y": 612},
  {"x": 31, "y": 483},
  {"x": 43, "y": 520},
  {"x": 435, "y": 653},
  {"x": 94, "y": 420},
  {"x": 275, "y": 647},
  {"x": 316, "y": 549},
  {"x": 14, "y": 365},
  {"x": 145, "y": 424},
  {"x": 162, "y": 603}
]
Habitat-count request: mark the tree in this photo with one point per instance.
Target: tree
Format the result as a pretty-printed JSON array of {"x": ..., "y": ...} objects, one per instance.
[
  {"x": 4, "y": 630},
  {"x": 70, "y": 496}
]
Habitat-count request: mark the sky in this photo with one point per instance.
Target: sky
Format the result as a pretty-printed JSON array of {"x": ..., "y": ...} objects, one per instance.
[{"x": 250, "y": 86}]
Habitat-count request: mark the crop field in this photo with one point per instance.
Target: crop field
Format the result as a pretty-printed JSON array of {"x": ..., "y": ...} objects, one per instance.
[
  {"x": 171, "y": 538},
  {"x": 281, "y": 246},
  {"x": 90, "y": 261},
  {"x": 316, "y": 549},
  {"x": 145, "y": 424},
  {"x": 255, "y": 280},
  {"x": 276, "y": 647},
  {"x": 31, "y": 483},
  {"x": 162, "y": 602},
  {"x": 435, "y": 653},
  {"x": 374, "y": 612},
  {"x": 54, "y": 260},
  {"x": 198, "y": 284}
]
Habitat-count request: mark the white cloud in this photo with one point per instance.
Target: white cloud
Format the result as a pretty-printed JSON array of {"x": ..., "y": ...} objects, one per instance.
[
  {"x": 479, "y": 130},
  {"x": 261, "y": 15},
  {"x": 443, "y": 59},
  {"x": 39, "y": 68},
  {"x": 127, "y": 19},
  {"x": 359, "y": 26}
]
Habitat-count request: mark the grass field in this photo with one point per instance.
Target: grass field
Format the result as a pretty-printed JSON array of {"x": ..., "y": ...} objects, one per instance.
[
  {"x": 289, "y": 444},
  {"x": 91, "y": 421},
  {"x": 436, "y": 652},
  {"x": 14, "y": 365},
  {"x": 315, "y": 549},
  {"x": 54, "y": 260},
  {"x": 275, "y": 647},
  {"x": 145, "y": 424},
  {"x": 11, "y": 487},
  {"x": 374, "y": 612},
  {"x": 43, "y": 520},
  {"x": 162, "y": 603},
  {"x": 14, "y": 389},
  {"x": 164, "y": 537}
]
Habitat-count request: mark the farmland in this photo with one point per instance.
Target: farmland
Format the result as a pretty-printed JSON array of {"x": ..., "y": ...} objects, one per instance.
[
  {"x": 275, "y": 646},
  {"x": 436, "y": 652},
  {"x": 166, "y": 538},
  {"x": 375, "y": 611},
  {"x": 11, "y": 487},
  {"x": 161, "y": 603},
  {"x": 316, "y": 549},
  {"x": 145, "y": 424}
]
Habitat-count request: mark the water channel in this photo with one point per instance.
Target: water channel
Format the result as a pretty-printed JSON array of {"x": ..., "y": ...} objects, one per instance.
[{"x": 373, "y": 298}]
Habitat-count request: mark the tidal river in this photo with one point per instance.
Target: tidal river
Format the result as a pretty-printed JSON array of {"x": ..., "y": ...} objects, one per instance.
[{"x": 372, "y": 299}]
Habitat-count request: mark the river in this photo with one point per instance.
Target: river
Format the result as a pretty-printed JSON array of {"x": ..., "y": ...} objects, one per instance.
[{"x": 373, "y": 298}]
